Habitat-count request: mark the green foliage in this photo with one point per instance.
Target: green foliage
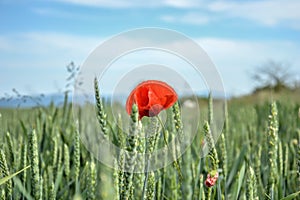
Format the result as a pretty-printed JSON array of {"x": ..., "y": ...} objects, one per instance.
[{"x": 257, "y": 156}]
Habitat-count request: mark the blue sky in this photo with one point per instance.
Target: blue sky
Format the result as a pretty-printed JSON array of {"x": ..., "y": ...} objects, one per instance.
[{"x": 39, "y": 38}]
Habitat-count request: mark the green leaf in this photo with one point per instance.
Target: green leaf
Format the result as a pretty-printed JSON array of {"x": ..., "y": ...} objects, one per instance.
[
  {"x": 240, "y": 180},
  {"x": 291, "y": 196},
  {"x": 22, "y": 188},
  {"x": 3, "y": 180},
  {"x": 58, "y": 179},
  {"x": 219, "y": 189},
  {"x": 235, "y": 167}
]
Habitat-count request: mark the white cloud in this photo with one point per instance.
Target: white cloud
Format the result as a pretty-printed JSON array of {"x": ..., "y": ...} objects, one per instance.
[
  {"x": 267, "y": 12},
  {"x": 134, "y": 3},
  {"x": 35, "y": 62},
  {"x": 100, "y": 3},
  {"x": 235, "y": 59},
  {"x": 182, "y": 4},
  {"x": 138, "y": 3},
  {"x": 188, "y": 18},
  {"x": 45, "y": 55},
  {"x": 47, "y": 44},
  {"x": 59, "y": 13}
]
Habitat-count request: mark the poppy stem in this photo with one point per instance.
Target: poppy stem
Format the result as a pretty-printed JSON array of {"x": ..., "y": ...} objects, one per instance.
[
  {"x": 176, "y": 163},
  {"x": 163, "y": 130}
]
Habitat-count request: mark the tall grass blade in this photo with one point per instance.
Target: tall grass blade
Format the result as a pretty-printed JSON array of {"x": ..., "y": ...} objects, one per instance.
[{"x": 3, "y": 180}]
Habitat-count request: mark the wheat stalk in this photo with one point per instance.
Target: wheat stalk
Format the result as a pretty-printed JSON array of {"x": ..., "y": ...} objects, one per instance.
[
  {"x": 66, "y": 161},
  {"x": 101, "y": 115},
  {"x": 10, "y": 150},
  {"x": 251, "y": 192},
  {"x": 76, "y": 156},
  {"x": 34, "y": 162},
  {"x": 130, "y": 156},
  {"x": 91, "y": 181},
  {"x": 5, "y": 171},
  {"x": 272, "y": 150}
]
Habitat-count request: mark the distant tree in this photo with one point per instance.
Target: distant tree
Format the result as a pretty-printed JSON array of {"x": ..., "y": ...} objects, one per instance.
[{"x": 273, "y": 74}]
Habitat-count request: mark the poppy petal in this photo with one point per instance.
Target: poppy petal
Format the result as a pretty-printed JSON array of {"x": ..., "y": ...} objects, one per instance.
[{"x": 151, "y": 97}]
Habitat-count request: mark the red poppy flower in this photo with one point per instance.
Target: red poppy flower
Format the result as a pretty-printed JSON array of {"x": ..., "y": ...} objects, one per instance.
[
  {"x": 151, "y": 97},
  {"x": 211, "y": 181}
]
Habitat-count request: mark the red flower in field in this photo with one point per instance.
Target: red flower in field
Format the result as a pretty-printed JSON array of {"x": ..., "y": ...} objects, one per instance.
[
  {"x": 151, "y": 97},
  {"x": 211, "y": 181}
]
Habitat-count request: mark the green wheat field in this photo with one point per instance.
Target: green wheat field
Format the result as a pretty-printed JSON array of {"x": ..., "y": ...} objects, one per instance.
[{"x": 257, "y": 156}]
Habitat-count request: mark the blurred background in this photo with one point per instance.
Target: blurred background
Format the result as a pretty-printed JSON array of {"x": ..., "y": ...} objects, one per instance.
[{"x": 254, "y": 44}]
